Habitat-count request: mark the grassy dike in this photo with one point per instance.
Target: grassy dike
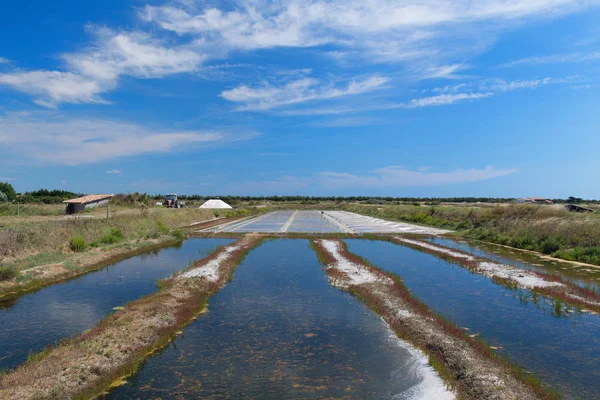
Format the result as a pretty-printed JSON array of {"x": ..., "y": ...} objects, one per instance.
[
  {"x": 88, "y": 365},
  {"x": 466, "y": 364},
  {"x": 549, "y": 230},
  {"x": 548, "y": 285}
]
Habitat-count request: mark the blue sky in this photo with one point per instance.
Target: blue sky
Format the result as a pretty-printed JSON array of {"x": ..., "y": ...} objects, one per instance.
[{"x": 371, "y": 97}]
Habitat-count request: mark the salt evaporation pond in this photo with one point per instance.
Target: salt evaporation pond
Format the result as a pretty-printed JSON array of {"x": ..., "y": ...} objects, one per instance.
[
  {"x": 42, "y": 318},
  {"x": 584, "y": 276},
  {"x": 562, "y": 349},
  {"x": 279, "y": 330}
]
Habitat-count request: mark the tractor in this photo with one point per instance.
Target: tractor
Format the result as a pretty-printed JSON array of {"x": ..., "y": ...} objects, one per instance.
[{"x": 171, "y": 201}]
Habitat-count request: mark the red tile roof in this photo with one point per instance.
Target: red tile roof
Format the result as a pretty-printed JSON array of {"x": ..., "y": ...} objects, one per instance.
[{"x": 88, "y": 199}]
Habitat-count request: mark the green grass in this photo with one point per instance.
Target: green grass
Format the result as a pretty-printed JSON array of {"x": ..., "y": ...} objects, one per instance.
[
  {"x": 114, "y": 235},
  {"x": 546, "y": 229},
  {"x": 7, "y": 272},
  {"x": 77, "y": 244},
  {"x": 47, "y": 257},
  {"x": 10, "y": 209},
  {"x": 590, "y": 255},
  {"x": 178, "y": 234}
]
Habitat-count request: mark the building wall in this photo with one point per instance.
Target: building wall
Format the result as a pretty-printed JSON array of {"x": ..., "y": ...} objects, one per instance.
[
  {"x": 96, "y": 203},
  {"x": 75, "y": 208}
]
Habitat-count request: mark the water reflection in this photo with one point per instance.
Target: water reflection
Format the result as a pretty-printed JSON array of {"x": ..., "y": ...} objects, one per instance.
[
  {"x": 279, "y": 330},
  {"x": 42, "y": 318}
]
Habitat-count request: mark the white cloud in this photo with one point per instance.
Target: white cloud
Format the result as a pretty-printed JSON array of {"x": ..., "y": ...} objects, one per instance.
[
  {"x": 298, "y": 91},
  {"x": 382, "y": 178},
  {"x": 347, "y": 122},
  {"x": 428, "y": 35},
  {"x": 53, "y": 87},
  {"x": 377, "y": 30},
  {"x": 444, "y": 71},
  {"x": 399, "y": 177},
  {"x": 555, "y": 59},
  {"x": 431, "y": 38},
  {"x": 113, "y": 171},
  {"x": 283, "y": 185},
  {"x": 132, "y": 53},
  {"x": 444, "y": 99},
  {"x": 445, "y": 95},
  {"x": 98, "y": 68},
  {"x": 4, "y": 60},
  {"x": 7, "y": 179},
  {"x": 80, "y": 141}
]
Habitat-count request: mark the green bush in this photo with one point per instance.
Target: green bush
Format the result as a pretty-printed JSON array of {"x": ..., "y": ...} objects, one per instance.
[
  {"x": 178, "y": 234},
  {"x": 549, "y": 245},
  {"x": 590, "y": 255},
  {"x": 161, "y": 227},
  {"x": 114, "y": 235},
  {"x": 153, "y": 235},
  {"x": 7, "y": 272},
  {"x": 8, "y": 190},
  {"x": 77, "y": 244}
]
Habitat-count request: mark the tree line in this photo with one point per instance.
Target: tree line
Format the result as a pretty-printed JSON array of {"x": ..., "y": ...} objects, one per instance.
[{"x": 7, "y": 193}]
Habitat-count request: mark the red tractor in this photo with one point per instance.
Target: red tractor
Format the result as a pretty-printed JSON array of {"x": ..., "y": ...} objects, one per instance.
[{"x": 171, "y": 201}]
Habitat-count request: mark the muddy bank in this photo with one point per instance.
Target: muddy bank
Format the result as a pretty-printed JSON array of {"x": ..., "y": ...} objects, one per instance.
[
  {"x": 468, "y": 365},
  {"x": 544, "y": 284},
  {"x": 88, "y": 364}
]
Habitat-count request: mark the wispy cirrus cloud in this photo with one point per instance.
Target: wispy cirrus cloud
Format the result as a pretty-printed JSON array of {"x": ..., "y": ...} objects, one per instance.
[
  {"x": 442, "y": 96},
  {"x": 113, "y": 172},
  {"x": 390, "y": 177},
  {"x": 63, "y": 141},
  {"x": 443, "y": 99},
  {"x": 394, "y": 176},
  {"x": 298, "y": 91},
  {"x": 385, "y": 29},
  {"x": 429, "y": 38},
  {"x": 4, "y": 60},
  {"x": 50, "y": 88},
  {"x": 98, "y": 68},
  {"x": 136, "y": 54},
  {"x": 564, "y": 58}
]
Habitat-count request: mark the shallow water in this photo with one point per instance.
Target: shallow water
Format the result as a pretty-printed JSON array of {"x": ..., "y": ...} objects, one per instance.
[
  {"x": 279, "y": 330},
  {"x": 271, "y": 222},
  {"x": 42, "y": 318},
  {"x": 563, "y": 350},
  {"x": 581, "y": 275},
  {"x": 312, "y": 221}
]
